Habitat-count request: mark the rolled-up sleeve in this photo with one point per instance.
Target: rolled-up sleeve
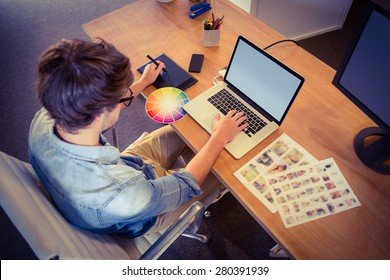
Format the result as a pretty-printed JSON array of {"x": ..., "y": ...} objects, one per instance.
[
  {"x": 172, "y": 191},
  {"x": 144, "y": 196}
]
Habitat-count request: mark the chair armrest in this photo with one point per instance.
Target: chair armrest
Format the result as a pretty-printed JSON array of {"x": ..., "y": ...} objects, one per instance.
[{"x": 190, "y": 219}]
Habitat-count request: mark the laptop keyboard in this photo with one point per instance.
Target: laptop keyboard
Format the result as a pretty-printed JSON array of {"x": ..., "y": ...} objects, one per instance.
[{"x": 224, "y": 101}]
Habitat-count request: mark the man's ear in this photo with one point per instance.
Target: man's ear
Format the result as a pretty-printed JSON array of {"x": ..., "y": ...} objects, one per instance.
[{"x": 98, "y": 117}]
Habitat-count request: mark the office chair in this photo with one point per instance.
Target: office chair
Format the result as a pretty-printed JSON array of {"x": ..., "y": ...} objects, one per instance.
[{"x": 50, "y": 236}]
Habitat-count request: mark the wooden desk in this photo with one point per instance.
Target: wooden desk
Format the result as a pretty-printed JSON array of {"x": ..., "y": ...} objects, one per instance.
[{"x": 322, "y": 120}]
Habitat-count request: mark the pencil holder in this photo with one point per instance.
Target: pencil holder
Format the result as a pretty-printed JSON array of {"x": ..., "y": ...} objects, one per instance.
[{"x": 211, "y": 38}]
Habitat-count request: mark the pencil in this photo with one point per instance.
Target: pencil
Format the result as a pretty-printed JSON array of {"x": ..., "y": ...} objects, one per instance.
[{"x": 155, "y": 62}]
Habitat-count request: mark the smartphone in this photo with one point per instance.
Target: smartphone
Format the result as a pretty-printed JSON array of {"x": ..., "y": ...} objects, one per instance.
[{"x": 196, "y": 63}]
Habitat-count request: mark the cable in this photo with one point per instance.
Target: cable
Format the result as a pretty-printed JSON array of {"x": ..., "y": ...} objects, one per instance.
[
  {"x": 220, "y": 76},
  {"x": 281, "y": 41}
]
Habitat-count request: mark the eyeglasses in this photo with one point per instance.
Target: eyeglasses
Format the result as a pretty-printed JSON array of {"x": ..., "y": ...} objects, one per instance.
[{"x": 127, "y": 100}]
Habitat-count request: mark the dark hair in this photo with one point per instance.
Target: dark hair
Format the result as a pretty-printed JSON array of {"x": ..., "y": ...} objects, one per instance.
[{"x": 79, "y": 80}]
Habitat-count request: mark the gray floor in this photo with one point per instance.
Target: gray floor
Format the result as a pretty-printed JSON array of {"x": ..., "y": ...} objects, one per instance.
[{"x": 27, "y": 28}]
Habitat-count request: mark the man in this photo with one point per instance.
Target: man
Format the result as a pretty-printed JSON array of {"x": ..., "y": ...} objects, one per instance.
[{"x": 83, "y": 86}]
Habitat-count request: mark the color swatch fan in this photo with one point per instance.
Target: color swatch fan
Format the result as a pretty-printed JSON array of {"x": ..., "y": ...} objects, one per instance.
[{"x": 165, "y": 105}]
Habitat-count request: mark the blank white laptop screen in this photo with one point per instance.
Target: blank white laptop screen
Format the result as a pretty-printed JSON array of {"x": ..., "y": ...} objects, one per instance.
[{"x": 262, "y": 80}]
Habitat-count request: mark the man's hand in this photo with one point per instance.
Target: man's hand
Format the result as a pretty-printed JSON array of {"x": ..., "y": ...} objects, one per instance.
[
  {"x": 151, "y": 73},
  {"x": 228, "y": 127}
]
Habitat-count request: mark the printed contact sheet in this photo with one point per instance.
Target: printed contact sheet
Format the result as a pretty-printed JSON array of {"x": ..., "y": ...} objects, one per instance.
[
  {"x": 283, "y": 154},
  {"x": 288, "y": 179},
  {"x": 310, "y": 192}
]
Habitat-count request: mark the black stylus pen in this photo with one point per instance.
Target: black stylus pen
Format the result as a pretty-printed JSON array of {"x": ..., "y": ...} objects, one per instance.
[{"x": 155, "y": 62}]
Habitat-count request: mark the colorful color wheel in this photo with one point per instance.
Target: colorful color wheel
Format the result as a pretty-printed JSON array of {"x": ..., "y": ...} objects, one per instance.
[{"x": 165, "y": 105}]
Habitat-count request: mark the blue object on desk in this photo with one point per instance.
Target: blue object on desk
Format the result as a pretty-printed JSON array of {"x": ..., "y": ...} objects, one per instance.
[
  {"x": 199, "y": 12},
  {"x": 199, "y": 6}
]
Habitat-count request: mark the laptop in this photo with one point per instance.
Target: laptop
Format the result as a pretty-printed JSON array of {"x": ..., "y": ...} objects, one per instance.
[{"x": 256, "y": 83}]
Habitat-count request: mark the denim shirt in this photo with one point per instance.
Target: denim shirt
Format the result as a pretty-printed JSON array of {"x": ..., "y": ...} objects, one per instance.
[{"x": 97, "y": 189}]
